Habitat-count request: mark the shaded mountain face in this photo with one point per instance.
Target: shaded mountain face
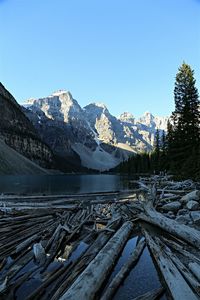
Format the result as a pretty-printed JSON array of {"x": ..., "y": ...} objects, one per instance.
[
  {"x": 100, "y": 140},
  {"x": 61, "y": 124},
  {"x": 12, "y": 162},
  {"x": 18, "y": 132}
]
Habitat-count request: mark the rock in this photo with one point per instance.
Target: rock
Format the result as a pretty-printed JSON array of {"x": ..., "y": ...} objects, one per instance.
[
  {"x": 173, "y": 206},
  {"x": 170, "y": 215},
  {"x": 192, "y": 205},
  {"x": 183, "y": 219},
  {"x": 182, "y": 211},
  {"x": 194, "y": 195},
  {"x": 195, "y": 215}
]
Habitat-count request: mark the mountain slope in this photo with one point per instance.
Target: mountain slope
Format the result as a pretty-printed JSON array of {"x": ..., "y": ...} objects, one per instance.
[
  {"x": 11, "y": 162},
  {"x": 19, "y": 133}
]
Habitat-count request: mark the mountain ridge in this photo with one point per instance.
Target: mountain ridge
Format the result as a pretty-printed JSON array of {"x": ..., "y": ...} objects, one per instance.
[{"x": 100, "y": 139}]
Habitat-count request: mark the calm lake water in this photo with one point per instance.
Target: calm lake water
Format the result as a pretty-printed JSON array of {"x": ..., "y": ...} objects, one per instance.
[{"x": 62, "y": 184}]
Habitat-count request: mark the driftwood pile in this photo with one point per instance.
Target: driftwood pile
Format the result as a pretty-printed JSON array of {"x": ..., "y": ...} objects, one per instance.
[{"x": 65, "y": 247}]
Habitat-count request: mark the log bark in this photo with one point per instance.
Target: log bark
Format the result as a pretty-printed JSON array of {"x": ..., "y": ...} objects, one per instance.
[
  {"x": 183, "y": 269},
  {"x": 152, "y": 295},
  {"x": 177, "y": 286},
  {"x": 181, "y": 249},
  {"x": 121, "y": 275},
  {"x": 90, "y": 281},
  {"x": 195, "y": 268},
  {"x": 188, "y": 234},
  {"x": 78, "y": 267}
]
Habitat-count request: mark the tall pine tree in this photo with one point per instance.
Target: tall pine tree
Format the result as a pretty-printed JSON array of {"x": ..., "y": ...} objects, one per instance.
[
  {"x": 185, "y": 134},
  {"x": 156, "y": 152}
]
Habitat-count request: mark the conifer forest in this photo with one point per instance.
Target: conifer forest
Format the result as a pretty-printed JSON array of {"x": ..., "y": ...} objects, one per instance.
[{"x": 176, "y": 151}]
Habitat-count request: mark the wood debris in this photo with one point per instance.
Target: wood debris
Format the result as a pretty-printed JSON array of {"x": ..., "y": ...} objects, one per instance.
[{"x": 70, "y": 244}]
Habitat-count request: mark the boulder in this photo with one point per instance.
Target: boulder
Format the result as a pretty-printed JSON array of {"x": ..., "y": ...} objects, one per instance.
[
  {"x": 195, "y": 215},
  {"x": 183, "y": 219},
  {"x": 192, "y": 205},
  {"x": 183, "y": 211},
  {"x": 170, "y": 215},
  {"x": 173, "y": 206},
  {"x": 194, "y": 195}
]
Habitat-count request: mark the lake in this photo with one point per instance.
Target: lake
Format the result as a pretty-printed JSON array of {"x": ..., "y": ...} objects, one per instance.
[{"x": 62, "y": 184}]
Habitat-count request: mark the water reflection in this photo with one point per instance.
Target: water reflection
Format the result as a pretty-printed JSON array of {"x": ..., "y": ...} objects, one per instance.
[
  {"x": 61, "y": 184},
  {"x": 143, "y": 278}
]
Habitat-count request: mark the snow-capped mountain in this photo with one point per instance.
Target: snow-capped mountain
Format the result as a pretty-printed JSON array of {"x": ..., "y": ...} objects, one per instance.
[{"x": 100, "y": 139}]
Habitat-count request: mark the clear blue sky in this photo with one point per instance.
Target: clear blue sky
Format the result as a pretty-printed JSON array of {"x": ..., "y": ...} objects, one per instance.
[{"x": 124, "y": 53}]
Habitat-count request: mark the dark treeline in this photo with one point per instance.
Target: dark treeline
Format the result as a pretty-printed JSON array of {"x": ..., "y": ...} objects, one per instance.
[{"x": 177, "y": 151}]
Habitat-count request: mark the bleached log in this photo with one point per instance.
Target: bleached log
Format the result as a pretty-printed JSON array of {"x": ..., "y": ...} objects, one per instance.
[
  {"x": 19, "y": 263},
  {"x": 91, "y": 279},
  {"x": 188, "y": 234},
  {"x": 72, "y": 272},
  {"x": 175, "y": 282},
  {"x": 183, "y": 269},
  {"x": 195, "y": 268},
  {"x": 121, "y": 275},
  {"x": 171, "y": 191},
  {"x": 143, "y": 186},
  {"x": 57, "y": 242},
  {"x": 152, "y": 295},
  {"x": 39, "y": 253},
  {"x": 3, "y": 285},
  {"x": 26, "y": 243},
  {"x": 181, "y": 250}
]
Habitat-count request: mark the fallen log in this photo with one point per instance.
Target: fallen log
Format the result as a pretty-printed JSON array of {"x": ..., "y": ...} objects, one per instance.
[
  {"x": 64, "y": 280},
  {"x": 121, "y": 275},
  {"x": 91, "y": 279},
  {"x": 39, "y": 253},
  {"x": 152, "y": 295},
  {"x": 177, "y": 286},
  {"x": 188, "y": 234},
  {"x": 182, "y": 268},
  {"x": 181, "y": 249},
  {"x": 195, "y": 268}
]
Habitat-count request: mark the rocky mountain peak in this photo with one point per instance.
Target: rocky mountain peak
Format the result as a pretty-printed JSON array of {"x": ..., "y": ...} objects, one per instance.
[
  {"x": 61, "y": 92},
  {"x": 96, "y": 108},
  {"x": 127, "y": 117},
  {"x": 59, "y": 106}
]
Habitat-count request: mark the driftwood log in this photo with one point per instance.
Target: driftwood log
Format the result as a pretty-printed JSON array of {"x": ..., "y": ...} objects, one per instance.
[
  {"x": 120, "y": 276},
  {"x": 177, "y": 286},
  {"x": 72, "y": 242},
  {"x": 89, "y": 282}
]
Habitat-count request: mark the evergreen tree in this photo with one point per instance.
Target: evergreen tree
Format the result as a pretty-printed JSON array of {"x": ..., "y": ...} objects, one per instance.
[
  {"x": 184, "y": 134},
  {"x": 169, "y": 145},
  {"x": 163, "y": 142},
  {"x": 179, "y": 151},
  {"x": 156, "y": 152},
  {"x": 157, "y": 144},
  {"x": 163, "y": 155}
]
